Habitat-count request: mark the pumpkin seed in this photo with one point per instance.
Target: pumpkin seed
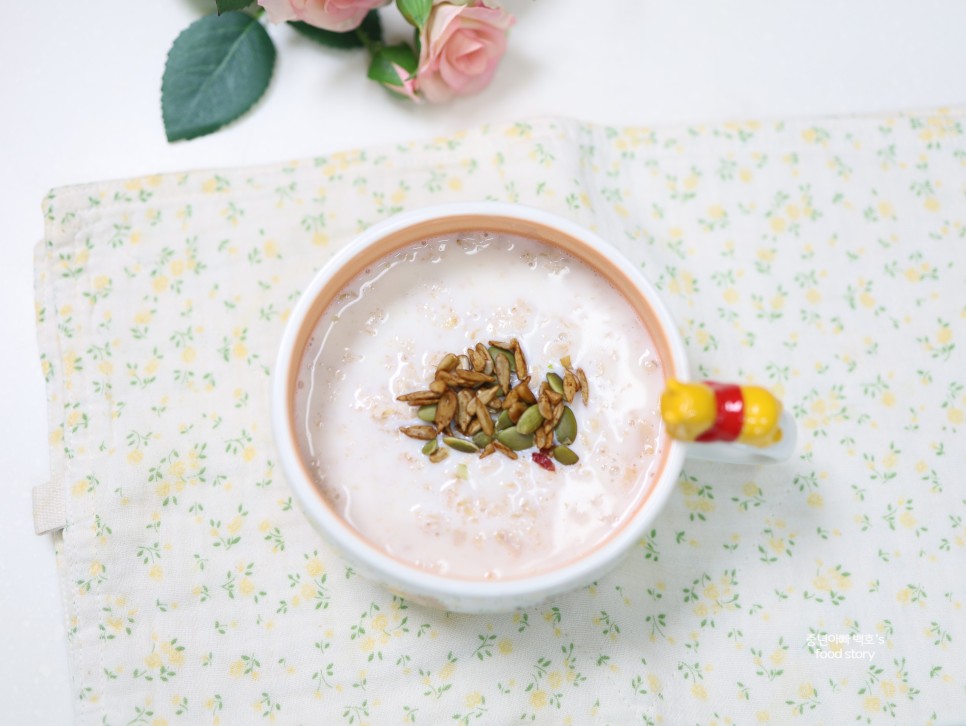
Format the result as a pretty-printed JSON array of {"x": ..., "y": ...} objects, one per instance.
[
  {"x": 482, "y": 439},
  {"x": 556, "y": 382},
  {"x": 514, "y": 440},
  {"x": 503, "y": 421},
  {"x": 565, "y": 455},
  {"x": 438, "y": 455},
  {"x": 530, "y": 420},
  {"x": 427, "y": 413},
  {"x": 467, "y": 447},
  {"x": 430, "y": 446},
  {"x": 567, "y": 427}
]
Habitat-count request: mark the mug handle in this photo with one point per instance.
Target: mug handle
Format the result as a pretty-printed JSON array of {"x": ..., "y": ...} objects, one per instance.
[{"x": 728, "y": 423}]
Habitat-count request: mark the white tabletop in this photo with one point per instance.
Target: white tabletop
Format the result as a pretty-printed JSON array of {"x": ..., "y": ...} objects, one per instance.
[{"x": 82, "y": 87}]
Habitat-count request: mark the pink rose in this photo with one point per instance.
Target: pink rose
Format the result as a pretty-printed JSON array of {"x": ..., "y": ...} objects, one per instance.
[
  {"x": 460, "y": 48},
  {"x": 338, "y": 16}
]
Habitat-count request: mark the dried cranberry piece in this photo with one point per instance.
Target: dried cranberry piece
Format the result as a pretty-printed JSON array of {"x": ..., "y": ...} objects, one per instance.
[{"x": 544, "y": 461}]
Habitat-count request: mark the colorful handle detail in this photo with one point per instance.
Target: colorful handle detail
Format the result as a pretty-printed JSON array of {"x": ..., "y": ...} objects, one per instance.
[{"x": 707, "y": 412}]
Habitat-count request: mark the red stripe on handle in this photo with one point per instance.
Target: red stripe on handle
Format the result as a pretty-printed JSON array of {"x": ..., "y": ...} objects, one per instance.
[{"x": 730, "y": 414}]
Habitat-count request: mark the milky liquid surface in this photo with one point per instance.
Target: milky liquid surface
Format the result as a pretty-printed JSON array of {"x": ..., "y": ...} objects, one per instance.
[{"x": 467, "y": 517}]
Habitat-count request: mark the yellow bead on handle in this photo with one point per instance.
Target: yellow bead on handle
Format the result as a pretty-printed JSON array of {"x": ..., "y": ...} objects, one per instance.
[{"x": 708, "y": 412}]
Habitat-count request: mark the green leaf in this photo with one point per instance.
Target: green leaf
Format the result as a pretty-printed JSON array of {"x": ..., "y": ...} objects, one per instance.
[
  {"x": 216, "y": 70},
  {"x": 382, "y": 68},
  {"x": 371, "y": 27},
  {"x": 415, "y": 11},
  {"x": 225, "y": 6}
]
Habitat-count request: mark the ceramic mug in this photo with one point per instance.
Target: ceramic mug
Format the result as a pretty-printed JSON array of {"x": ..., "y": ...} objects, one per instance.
[{"x": 462, "y": 595}]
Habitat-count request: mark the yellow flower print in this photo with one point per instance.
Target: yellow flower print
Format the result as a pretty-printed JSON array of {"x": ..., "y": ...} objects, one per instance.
[
  {"x": 778, "y": 224},
  {"x": 505, "y": 646},
  {"x": 538, "y": 699},
  {"x": 160, "y": 283},
  {"x": 174, "y": 656},
  {"x": 270, "y": 248},
  {"x": 474, "y": 699},
  {"x": 314, "y": 567},
  {"x": 236, "y": 669},
  {"x": 156, "y": 572},
  {"x": 380, "y": 622},
  {"x": 872, "y": 704},
  {"x": 699, "y": 692},
  {"x": 944, "y": 334},
  {"x": 932, "y": 204},
  {"x": 447, "y": 671},
  {"x": 153, "y": 661}
]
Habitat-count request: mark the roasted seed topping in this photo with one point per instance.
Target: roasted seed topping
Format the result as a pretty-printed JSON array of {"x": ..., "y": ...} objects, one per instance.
[{"x": 481, "y": 402}]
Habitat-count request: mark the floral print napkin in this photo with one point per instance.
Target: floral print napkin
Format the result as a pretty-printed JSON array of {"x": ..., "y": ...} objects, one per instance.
[{"x": 824, "y": 259}]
